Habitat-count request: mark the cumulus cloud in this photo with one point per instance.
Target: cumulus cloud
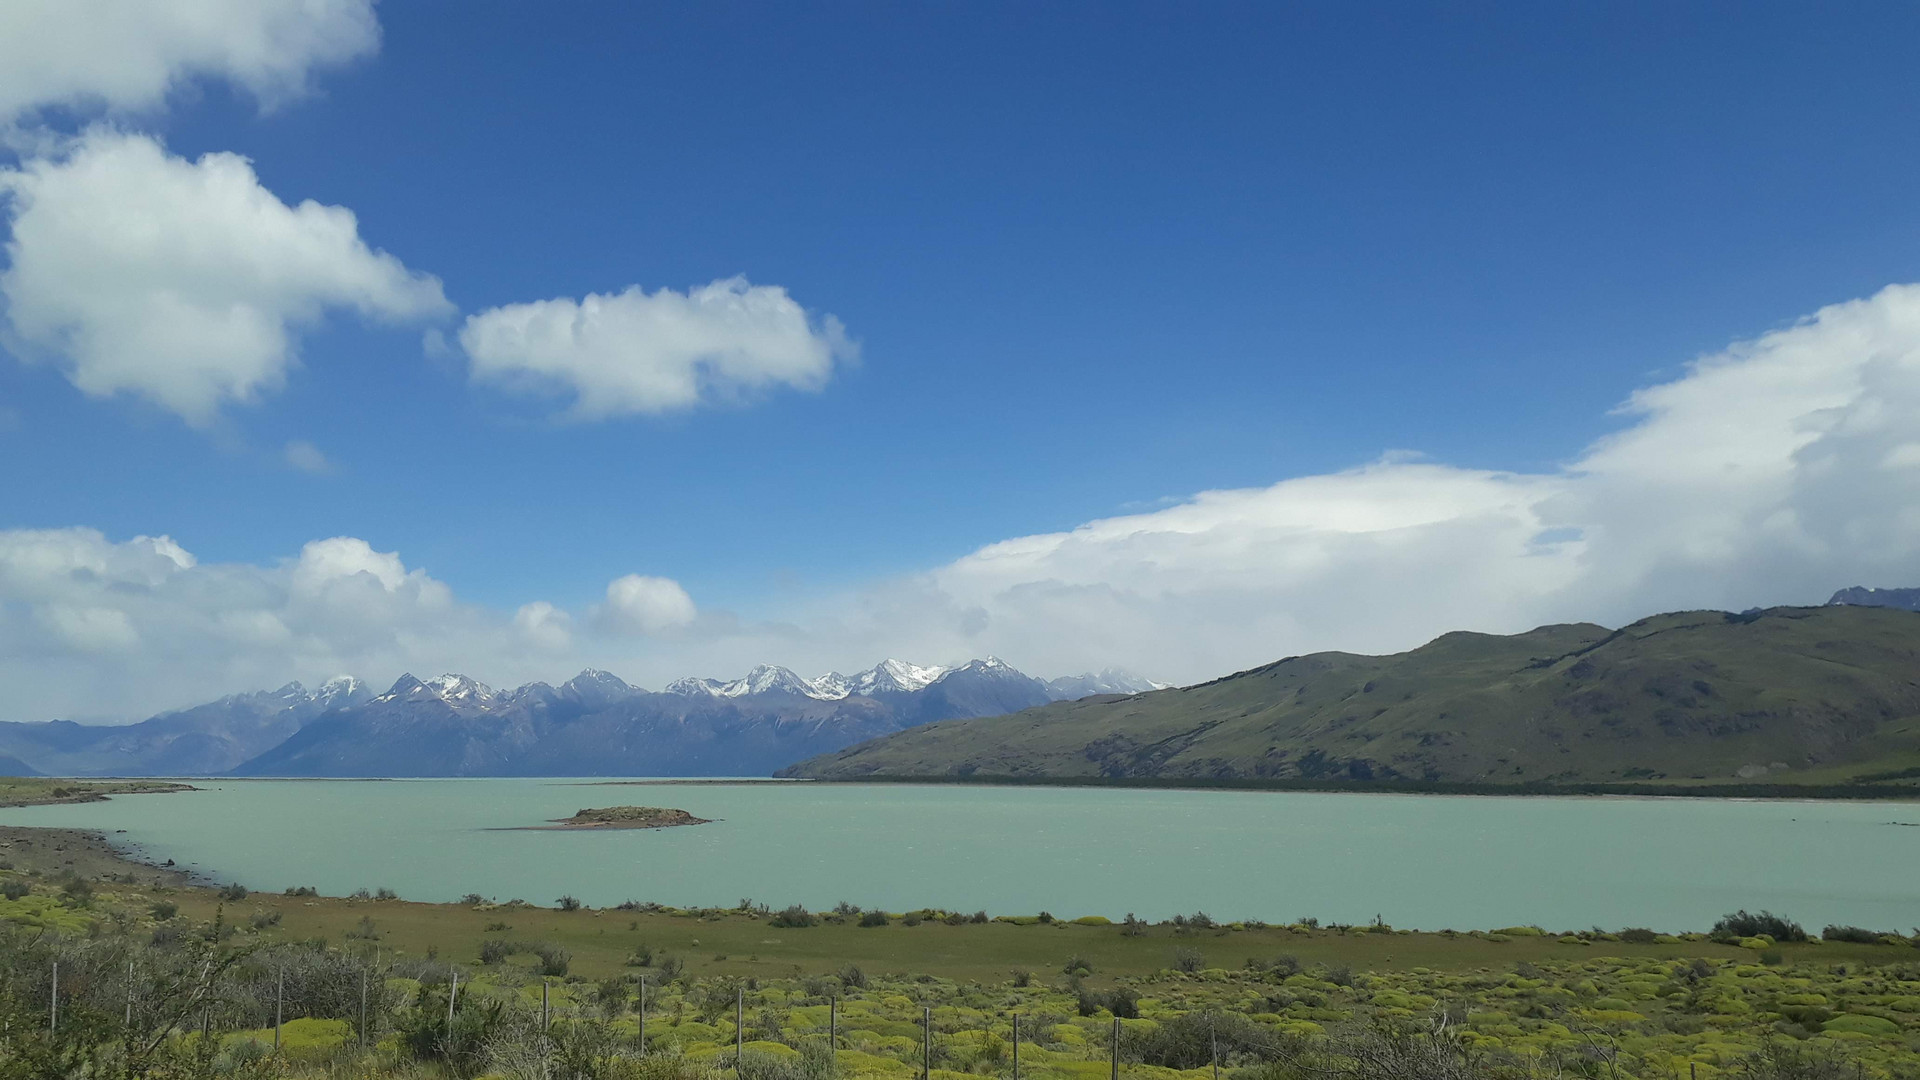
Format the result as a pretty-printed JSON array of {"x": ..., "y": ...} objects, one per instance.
[
  {"x": 128, "y": 54},
  {"x": 1773, "y": 472},
  {"x": 635, "y": 352},
  {"x": 178, "y": 281},
  {"x": 637, "y": 604}
]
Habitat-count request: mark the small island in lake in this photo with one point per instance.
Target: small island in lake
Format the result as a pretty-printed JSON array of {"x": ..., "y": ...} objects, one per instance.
[{"x": 628, "y": 817}]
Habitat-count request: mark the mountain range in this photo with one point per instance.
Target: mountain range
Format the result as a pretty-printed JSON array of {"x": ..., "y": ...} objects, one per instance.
[
  {"x": 1823, "y": 695},
  {"x": 594, "y": 724}
]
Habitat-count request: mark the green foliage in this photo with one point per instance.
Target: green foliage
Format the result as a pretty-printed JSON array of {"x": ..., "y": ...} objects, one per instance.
[
  {"x": 1854, "y": 934},
  {"x": 794, "y": 917},
  {"x": 1740, "y": 925},
  {"x": 875, "y": 917},
  {"x": 233, "y": 892}
]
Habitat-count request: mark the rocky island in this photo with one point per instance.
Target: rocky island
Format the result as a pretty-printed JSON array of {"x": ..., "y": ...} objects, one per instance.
[{"x": 628, "y": 817}]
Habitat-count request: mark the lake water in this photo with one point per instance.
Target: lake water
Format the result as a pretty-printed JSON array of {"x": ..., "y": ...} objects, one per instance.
[{"x": 1426, "y": 862}]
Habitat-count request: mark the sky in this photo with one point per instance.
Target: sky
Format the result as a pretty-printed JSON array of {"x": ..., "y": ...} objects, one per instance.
[{"x": 511, "y": 339}]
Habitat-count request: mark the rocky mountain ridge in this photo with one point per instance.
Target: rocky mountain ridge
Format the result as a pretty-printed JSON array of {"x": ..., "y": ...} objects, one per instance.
[{"x": 593, "y": 724}]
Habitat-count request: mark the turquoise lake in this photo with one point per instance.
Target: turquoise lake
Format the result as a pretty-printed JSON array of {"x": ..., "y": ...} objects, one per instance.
[{"x": 1427, "y": 862}]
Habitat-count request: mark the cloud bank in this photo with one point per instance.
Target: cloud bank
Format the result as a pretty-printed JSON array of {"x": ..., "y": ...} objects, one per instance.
[
  {"x": 127, "y": 55},
  {"x": 181, "y": 282},
  {"x": 1774, "y": 472},
  {"x": 637, "y": 352}
]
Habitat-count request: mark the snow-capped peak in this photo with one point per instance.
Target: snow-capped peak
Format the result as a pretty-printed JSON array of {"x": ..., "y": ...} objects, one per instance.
[
  {"x": 341, "y": 689},
  {"x": 831, "y": 687},
  {"x": 895, "y": 676},
  {"x": 690, "y": 687},
  {"x": 459, "y": 689},
  {"x": 768, "y": 679}
]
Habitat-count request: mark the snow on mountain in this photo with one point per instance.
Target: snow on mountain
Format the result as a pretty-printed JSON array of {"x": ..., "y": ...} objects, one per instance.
[
  {"x": 341, "y": 691},
  {"x": 831, "y": 687},
  {"x": 596, "y": 687},
  {"x": 895, "y": 676},
  {"x": 889, "y": 676},
  {"x": 1109, "y": 681},
  {"x": 460, "y": 690}
]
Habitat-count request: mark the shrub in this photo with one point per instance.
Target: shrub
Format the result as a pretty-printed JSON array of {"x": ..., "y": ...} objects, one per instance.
[
  {"x": 1188, "y": 960},
  {"x": 164, "y": 910},
  {"x": 1340, "y": 976},
  {"x": 911, "y": 918},
  {"x": 233, "y": 892},
  {"x": 1857, "y": 934},
  {"x": 1200, "y": 920},
  {"x": 977, "y": 917},
  {"x": 1077, "y": 966},
  {"x": 794, "y": 917},
  {"x": 567, "y": 903},
  {"x": 873, "y": 918},
  {"x": 845, "y": 910},
  {"x": 260, "y": 920},
  {"x": 494, "y": 950},
  {"x": 1124, "y": 1003},
  {"x": 853, "y": 978},
  {"x": 1638, "y": 935},
  {"x": 303, "y": 890},
  {"x": 1284, "y": 966},
  {"x": 554, "y": 960},
  {"x": 384, "y": 893},
  {"x": 1133, "y": 927},
  {"x": 473, "y": 899},
  {"x": 669, "y": 965},
  {"x": 1740, "y": 925},
  {"x": 1046, "y": 916},
  {"x": 1188, "y": 1041},
  {"x": 364, "y": 931},
  {"x": 14, "y": 889},
  {"x": 76, "y": 891},
  {"x": 1022, "y": 977}
]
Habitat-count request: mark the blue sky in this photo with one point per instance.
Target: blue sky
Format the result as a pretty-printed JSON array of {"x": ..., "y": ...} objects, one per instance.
[{"x": 1096, "y": 259}]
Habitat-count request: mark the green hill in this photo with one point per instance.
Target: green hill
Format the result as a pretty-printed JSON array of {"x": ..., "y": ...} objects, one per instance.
[{"x": 1827, "y": 695}]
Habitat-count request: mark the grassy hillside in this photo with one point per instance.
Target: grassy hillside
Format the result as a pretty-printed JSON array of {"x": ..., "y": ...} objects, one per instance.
[{"x": 1827, "y": 695}]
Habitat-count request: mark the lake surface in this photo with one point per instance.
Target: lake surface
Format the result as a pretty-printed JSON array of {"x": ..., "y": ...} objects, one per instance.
[{"x": 1426, "y": 862}]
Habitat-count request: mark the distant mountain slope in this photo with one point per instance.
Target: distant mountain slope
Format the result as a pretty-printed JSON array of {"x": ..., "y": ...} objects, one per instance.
[
  {"x": 205, "y": 740},
  {"x": 597, "y": 725},
  {"x": 593, "y": 724},
  {"x": 1787, "y": 693},
  {"x": 1861, "y": 596}
]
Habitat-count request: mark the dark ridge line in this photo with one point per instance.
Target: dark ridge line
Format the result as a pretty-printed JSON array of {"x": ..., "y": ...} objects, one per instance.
[{"x": 1891, "y": 793}]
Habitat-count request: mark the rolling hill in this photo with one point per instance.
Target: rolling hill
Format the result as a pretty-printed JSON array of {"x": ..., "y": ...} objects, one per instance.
[{"x": 1784, "y": 695}]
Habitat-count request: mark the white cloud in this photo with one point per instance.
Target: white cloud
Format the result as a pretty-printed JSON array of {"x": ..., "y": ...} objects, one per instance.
[
  {"x": 1774, "y": 472},
  {"x": 544, "y": 626},
  {"x": 637, "y": 604},
  {"x": 307, "y": 457},
  {"x": 128, "y": 54},
  {"x": 635, "y": 352},
  {"x": 1770, "y": 473},
  {"x": 181, "y": 281}
]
